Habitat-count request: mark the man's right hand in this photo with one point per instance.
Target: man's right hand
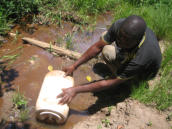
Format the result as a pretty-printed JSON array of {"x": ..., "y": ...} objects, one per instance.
[{"x": 69, "y": 70}]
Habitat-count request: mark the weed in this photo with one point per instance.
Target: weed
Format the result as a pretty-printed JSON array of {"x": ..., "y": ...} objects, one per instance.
[
  {"x": 16, "y": 36},
  {"x": 169, "y": 117},
  {"x": 10, "y": 58},
  {"x": 110, "y": 109},
  {"x": 68, "y": 39},
  {"x": 99, "y": 127},
  {"x": 139, "y": 92},
  {"x": 3, "y": 24},
  {"x": 24, "y": 115},
  {"x": 76, "y": 11},
  {"x": 149, "y": 123},
  {"x": 19, "y": 100},
  {"x": 50, "y": 49},
  {"x": 33, "y": 58},
  {"x": 18, "y": 48},
  {"x": 59, "y": 41},
  {"x": 13, "y": 11},
  {"x": 106, "y": 122}
]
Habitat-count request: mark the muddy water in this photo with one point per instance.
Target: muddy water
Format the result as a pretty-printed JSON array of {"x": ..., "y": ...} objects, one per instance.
[
  {"x": 81, "y": 38},
  {"x": 31, "y": 68},
  {"x": 82, "y": 41},
  {"x": 27, "y": 72}
]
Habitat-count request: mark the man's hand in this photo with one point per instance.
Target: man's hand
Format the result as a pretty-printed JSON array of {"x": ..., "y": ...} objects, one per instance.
[
  {"x": 67, "y": 95},
  {"x": 69, "y": 70}
]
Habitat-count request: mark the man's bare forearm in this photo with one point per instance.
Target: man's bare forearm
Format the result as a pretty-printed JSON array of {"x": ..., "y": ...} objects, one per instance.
[
  {"x": 98, "y": 86},
  {"x": 93, "y": 51}
]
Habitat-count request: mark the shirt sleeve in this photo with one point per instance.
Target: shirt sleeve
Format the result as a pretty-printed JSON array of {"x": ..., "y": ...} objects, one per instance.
[
  {"x": 110, "y": 35},
  {"x": 129, "y": 70}
]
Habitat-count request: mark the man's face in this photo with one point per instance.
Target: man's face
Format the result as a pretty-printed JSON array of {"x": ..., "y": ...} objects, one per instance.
[{"x": 124, "y": 41}]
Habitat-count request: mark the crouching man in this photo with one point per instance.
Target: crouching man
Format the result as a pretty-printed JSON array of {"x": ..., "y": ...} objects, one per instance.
[{"x": 135, "y": 55}]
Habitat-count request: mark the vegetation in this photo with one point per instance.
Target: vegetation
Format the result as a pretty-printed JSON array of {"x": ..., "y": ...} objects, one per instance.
[
  {"x": 68, "y": 39},
  {"x": 20, "y": 102},
  {"x": 13, "y": 11},
  {"x": 77, "y": 11},
  {"x": 106, "y": 122}
]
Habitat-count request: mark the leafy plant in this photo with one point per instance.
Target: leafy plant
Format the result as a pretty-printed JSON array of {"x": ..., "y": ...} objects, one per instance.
[
  {"x": 99, "y": 127},
  {"x": 68, "y": 38},
  {"x": 110, "y": 109},
  {"x": 19, "y": 100},
  {"x": 24, "y": 115},
  {"x": 106, "y": 122}
]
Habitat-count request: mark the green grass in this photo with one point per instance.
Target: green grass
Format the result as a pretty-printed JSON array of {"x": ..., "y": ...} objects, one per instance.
[
  {"x": 4, "y": 25},
  {"x": 77, "y": 11},
  {"x": 68, "y": 39},
  {"x": 19, "y": 100},
  {"x": 106, "y": 122},
  {"x": 13, "y": 10},
  {"x": 24, "y": 115},
  {"x": 21, "y": 103}
]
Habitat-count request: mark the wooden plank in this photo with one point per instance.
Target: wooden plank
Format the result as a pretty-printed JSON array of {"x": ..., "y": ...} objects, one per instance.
[{"x": 59, "y": 50}]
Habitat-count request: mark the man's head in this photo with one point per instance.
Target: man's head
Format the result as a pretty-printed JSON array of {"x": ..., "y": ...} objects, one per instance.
[{"x": 131, "y": 32}]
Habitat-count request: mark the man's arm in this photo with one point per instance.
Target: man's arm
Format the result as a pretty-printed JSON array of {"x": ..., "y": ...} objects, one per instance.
[
  {"x": 69, "y": 93},
  {"x": 93, "y": 51}
]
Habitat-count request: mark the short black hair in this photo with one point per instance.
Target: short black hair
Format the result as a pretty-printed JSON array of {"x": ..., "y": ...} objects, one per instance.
[{"x": 134, "y": 27}]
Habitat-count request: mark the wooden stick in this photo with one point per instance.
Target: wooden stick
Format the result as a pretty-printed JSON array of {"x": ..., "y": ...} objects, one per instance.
[{"x": 59, "y": 50}]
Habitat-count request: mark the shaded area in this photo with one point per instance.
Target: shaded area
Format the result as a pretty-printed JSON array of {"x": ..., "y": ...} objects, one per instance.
[
  {"x": 110, "y": 97},
  {"x": 6, "y": 78},
  {"x": 102, "y": 70},
  {"x": 14, "y": 125}
]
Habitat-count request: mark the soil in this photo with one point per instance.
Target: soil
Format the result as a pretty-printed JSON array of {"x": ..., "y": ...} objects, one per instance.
[
  {"x": 112, "y": 109},
  {"x": 129, "y": 114}
]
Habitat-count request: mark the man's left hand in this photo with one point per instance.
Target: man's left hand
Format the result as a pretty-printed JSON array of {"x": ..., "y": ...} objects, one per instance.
[{"x": 67, "y": 95}]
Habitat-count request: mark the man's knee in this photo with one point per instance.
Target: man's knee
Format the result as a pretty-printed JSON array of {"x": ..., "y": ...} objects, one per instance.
[{"x": 109, "y": 53}]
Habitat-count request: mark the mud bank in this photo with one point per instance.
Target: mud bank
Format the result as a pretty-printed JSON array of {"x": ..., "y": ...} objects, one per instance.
[{"x": 129, "y": 114}]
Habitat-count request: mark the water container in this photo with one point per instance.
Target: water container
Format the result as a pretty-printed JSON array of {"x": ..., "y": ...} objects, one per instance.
[{"x": 47, "y": 108}]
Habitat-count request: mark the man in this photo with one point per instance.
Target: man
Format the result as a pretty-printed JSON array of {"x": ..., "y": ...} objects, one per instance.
[{"x": 136, "y": 55}]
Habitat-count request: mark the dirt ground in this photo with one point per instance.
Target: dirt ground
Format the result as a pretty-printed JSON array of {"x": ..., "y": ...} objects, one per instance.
[{"x": 129, "y": 114}]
